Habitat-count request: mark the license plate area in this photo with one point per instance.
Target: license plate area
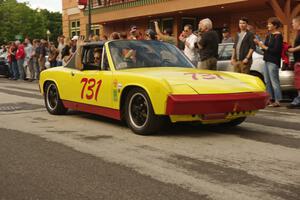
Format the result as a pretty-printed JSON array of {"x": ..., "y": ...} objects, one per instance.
[{"x": 214, "y": 116}]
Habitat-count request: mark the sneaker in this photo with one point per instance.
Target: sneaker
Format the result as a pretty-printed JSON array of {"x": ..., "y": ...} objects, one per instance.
[{"x": 293, "y": 106}]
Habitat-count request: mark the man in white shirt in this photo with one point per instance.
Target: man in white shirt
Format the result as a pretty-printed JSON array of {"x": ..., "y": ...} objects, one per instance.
[
  {"x": 60, "y": 47},
  {"x": 189, "y": 40},
  {"x": 28, "y": 64}
]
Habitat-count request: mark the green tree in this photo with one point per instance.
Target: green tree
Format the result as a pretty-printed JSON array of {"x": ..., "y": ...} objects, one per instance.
[
  {"x": 19, "y": 19},
  {"x": 54, "y": 23}
]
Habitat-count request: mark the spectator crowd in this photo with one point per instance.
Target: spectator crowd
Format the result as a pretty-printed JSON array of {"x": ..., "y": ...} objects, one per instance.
[{"x": 26, "y": 60}]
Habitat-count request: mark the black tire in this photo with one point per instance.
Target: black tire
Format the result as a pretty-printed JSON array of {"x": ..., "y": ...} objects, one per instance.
[
  {"x": 139, "y": 113},
  {"x": 257, "y": 74},
  {"x": 235, "y": 122},
  {"x": 53, "y": 102}
]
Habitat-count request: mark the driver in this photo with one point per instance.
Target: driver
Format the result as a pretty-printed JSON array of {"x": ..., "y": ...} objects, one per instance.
[{"x": 97, "y": 56}]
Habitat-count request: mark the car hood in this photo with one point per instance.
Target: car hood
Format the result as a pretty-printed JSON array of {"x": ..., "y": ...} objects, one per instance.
[{"x": 204, "y": 81}]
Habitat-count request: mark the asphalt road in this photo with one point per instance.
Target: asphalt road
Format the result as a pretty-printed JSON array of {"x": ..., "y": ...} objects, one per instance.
[{"x": 83, "y": 156}]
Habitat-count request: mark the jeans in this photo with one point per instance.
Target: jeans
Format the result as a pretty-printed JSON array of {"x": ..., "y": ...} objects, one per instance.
[
  {"x": 53, "y": 63},
  {"x": 15, "y": 70},
  {"x": 271, "y": 75},
  {"x": 36, "y": 68},
  {"x": 21, "y": 69},
  {"x": 59, "y": 63},
  {"x": 10, "y": 72}
]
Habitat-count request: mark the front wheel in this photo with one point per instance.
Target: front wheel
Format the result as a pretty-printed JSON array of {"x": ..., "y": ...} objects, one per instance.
[
  {"x": 139, "y": 113},
  {"x": 53, "y": 102},
  {"x": 257, "y": 74}
]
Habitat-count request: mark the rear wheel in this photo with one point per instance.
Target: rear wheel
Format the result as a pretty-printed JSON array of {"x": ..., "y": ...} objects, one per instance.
[
  {"x": 53, "y": 102},
  {"x": 139, "y": 113}
]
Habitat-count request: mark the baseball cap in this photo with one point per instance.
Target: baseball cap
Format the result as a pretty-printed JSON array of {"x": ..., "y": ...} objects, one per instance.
[{"x": 75, "y": 37}]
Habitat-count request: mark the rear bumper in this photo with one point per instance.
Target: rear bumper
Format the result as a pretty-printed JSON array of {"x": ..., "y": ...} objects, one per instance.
[{"x": 215, "y": 103}]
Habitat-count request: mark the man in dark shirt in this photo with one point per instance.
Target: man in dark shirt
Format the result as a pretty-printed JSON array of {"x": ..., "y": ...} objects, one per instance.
[
  {"x": 208, "y": 45},
  {"x": 296, "y": 51},
  {"x": 15, "y": 69},
  {"x": 243, "y": 48},
  {"x": 42, "y": 55}
]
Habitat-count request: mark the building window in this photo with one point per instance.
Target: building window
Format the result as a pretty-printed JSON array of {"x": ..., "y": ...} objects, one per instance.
[
  {"x": 167, "y": 23},
  {"x": 75, "y": 28},
  {"x": 98, "y": 3},
  {"x": 96, "y": 29},
  {"x": 164, "y": 23},
  {"x": 151, "y": 23},
  {"x": 189, "y": 20}
]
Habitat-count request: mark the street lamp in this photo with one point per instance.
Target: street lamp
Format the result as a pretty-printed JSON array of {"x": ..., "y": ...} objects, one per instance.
[
  {"x": 48, "y": 34},
  {"x": 82, "y": 5}
]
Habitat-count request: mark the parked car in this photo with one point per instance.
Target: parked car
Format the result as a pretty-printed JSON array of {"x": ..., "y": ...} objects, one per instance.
[
  {"x": 147, "y": 82},
  {"x": 286, "y": 76},
  {"x": 4, "y": 64}
]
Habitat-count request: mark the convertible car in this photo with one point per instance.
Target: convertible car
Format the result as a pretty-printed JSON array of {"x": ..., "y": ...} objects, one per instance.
[{"x": 146, "y": 83}]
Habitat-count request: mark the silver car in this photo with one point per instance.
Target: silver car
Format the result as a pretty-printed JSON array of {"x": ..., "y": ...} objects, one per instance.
[
  {"x": 4, "y": 64},
  {"x": 224, "y": 64}
]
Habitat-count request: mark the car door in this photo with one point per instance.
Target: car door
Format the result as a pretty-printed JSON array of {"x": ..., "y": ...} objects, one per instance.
[
  {"x": 224, "y": 60},
  {"x": 92, "y": 85}
]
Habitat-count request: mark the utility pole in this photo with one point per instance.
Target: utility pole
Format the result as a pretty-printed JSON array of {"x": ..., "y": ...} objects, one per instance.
[
  {"x": 82, "y": 4},
  {"x": 90, "y": 18}
]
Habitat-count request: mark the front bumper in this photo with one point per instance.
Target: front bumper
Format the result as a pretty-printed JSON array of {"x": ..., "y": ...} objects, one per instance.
[{"x": 205, "y": 104}]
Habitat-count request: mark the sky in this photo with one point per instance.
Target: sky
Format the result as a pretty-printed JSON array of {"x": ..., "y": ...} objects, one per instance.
[{"x": 51, "y": 5}]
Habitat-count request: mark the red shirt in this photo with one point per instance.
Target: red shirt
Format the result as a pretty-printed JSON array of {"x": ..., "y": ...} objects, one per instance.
[{"x": 20, "y": 52}]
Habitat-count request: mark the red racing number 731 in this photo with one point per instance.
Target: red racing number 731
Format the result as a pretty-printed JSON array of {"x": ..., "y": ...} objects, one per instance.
[{"x": 88, "y": 88}]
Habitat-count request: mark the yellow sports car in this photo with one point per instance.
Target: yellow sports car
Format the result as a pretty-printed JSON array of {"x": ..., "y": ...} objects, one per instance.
[{"x": 146, "y": 82}]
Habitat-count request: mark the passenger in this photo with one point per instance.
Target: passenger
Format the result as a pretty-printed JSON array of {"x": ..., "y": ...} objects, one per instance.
[{"x": 129, "y": 56}]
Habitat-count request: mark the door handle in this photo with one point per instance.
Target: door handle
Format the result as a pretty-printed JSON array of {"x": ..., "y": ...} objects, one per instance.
[{"x": 72, "y": 73}]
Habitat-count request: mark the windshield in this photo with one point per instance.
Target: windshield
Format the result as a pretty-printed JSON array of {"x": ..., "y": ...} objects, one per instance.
[
  {"x": 140, "y": 54},
  {"x": 225, "y": 51}
]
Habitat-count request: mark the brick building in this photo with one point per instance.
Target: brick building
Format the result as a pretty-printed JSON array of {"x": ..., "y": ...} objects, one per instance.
[{"x": 119, "y": 15}]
